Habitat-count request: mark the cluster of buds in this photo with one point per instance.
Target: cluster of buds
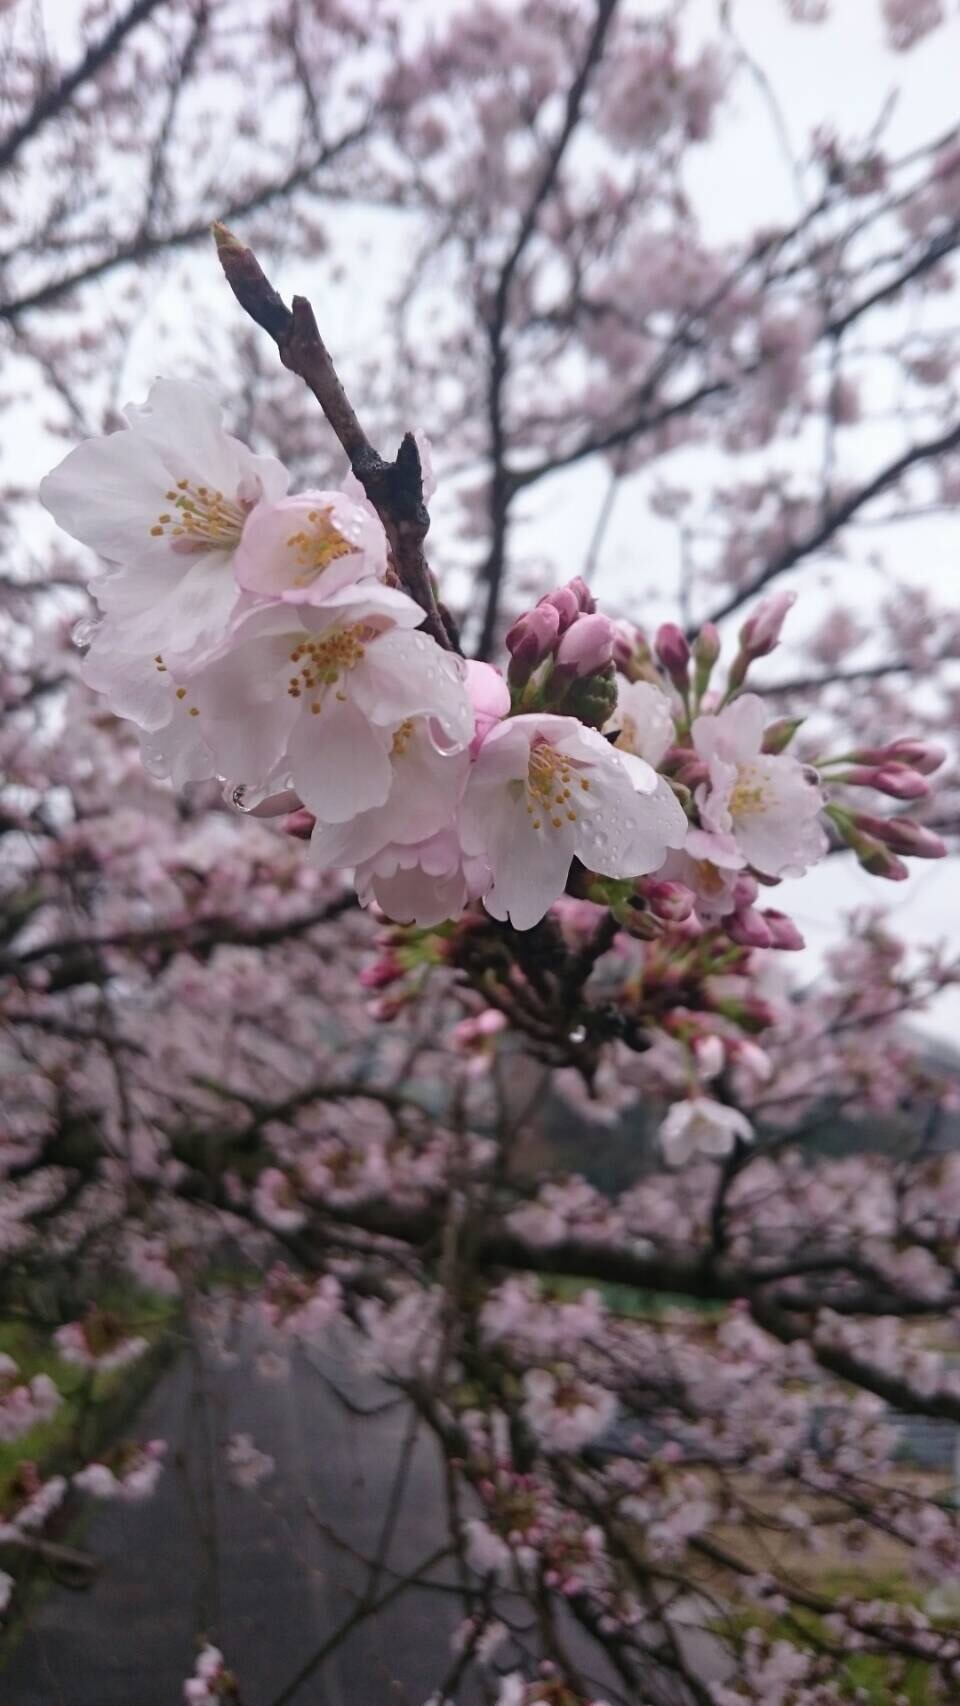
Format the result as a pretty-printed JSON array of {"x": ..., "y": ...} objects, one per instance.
[
  {"x": 758, "y": 637},
  {"x": 899, "y": 770},
  {"x": 562, "y": 655}
]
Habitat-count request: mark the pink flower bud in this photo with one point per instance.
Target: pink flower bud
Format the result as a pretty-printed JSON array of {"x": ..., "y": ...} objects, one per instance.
[
  {"x": 530, "y": 640},
  {"x": 756, "y": 1014},
  {"x": 587, "y": 646},
  {"x": 748, "y": 929},
  {"x": 880, "y": 862},
  {"x": 893, "y": 779},
  {"x": 625, "y": 640},
  {"x": 777, "y": 736},
  {"x": 923, "y": 755},
  {"x": 381, "y": 973},
  {"x": 667, "y": 900},
  {"x": 583, "y": 595},
  {"x": 299, "y": 824},
  {"x": 673, "y": 651},
  {"x": 761, "y": 632},
  {"x": 902, "y": 835},
  {"x": 745, "y": 891},
  {"x": 693, "y": 774},
  {"x": 566, "y": 604},
  {"x": 783, "y": 932},
  {"x": 534, "y": 634}
]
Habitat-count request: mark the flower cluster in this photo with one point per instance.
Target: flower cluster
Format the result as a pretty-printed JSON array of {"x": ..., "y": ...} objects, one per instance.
[
  {"x": 262, "y": 639},
  {"x": 24, "y": 1403},
  {"x": 100, "y": 1343},
  {"x": 129, "y": 1472}
]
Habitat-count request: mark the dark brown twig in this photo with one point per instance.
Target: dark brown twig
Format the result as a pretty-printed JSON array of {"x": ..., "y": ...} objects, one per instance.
[{"x": 395, "y": 488}]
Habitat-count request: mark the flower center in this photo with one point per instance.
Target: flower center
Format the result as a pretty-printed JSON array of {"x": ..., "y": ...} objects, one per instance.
[
  {"x": 323, "y": 661},
  {"x": 749, "y": 794},
  {"x": 627, "y": 738},
  {"x": 548, "y": 787},
  {"x": 402, "y": 737},
  {"x": 317, "y": 545},
  {"x": 201, "y": 519},
  {"x": 711, "y": 880}
]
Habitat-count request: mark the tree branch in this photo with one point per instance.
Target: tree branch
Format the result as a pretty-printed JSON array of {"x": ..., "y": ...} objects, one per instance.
[{"x": 395, "y": 488}]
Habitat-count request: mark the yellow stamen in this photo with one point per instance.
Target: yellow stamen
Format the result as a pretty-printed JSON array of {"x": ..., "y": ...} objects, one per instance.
[
  {"x": 317, "y": 545},
  {"x": 200, "y": 519}
]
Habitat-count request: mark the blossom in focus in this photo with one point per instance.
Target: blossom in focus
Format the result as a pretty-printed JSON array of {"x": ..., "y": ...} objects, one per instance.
[
  {"x": 701, "y": 1126},
  {"x": 769, "y": 805},
  {"x": 490, "y": 698},
  {"x": 303, "y": 548},
  {"x": 423, "y": 797},
  {"x": 425, "y": 883},
  {"x": 166, "y": 499},
  {"x": 644, "y": 720},
  {"x": 710, "y": 866},
  {"x": 313, "y": 697},
  {"x": 544, "y": 790}
]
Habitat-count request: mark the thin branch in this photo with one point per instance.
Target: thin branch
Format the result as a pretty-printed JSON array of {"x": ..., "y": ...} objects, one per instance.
[
  {"x": 53, "y": 100},
  {"x": 837, "y": 517},
  {"x": 395, "y": 488}
]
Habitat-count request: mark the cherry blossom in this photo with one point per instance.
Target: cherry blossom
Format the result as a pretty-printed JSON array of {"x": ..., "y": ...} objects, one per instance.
[
  {"x": 544, "y": 790},
  {"x": 316, "y": 696},
  {"x": 769, "y": 805},
  {"x": 643, "y": 720},
  {"x": 700, "y": 1126},
  {"x": 166, "y": 499}
]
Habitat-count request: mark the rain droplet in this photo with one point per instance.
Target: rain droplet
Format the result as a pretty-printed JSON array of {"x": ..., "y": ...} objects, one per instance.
[{"x": 83, "y": 632}]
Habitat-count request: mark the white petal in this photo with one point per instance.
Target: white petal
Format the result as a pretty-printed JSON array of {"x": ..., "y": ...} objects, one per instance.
[
  {"x": 339, "y": 765},
  {"x": 408, "y": 675},
  {"x": 245, "y": 710},
  {"x": 530, "y": 867},
  {"x": 128, "y": 678}
]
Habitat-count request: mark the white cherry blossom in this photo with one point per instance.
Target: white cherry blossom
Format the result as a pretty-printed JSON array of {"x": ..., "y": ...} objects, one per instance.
[
  {"x": 314, "y": 697},
  {"x": 701, "y": 1126},
  {"x": 644, "y": 720},
  {"x": 769, "y": 804},
  {"x": 166, "y": 499},
  {"x": 425, "y": 884},
  {"x": 563, "y": 1411},
  {"x": 305, "y": 547},
  {"x": 545, "y": 790}
]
